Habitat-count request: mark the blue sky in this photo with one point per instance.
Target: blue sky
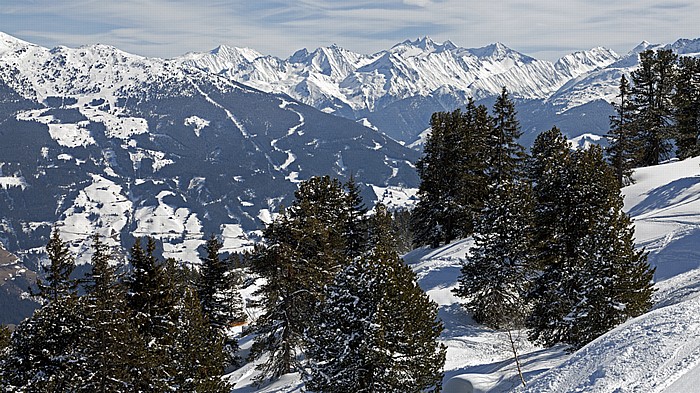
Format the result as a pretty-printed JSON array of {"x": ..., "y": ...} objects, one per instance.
[{"x": 546, "y": 29}]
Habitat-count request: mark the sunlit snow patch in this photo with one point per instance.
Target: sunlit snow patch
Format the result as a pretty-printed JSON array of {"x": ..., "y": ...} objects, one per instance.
[{"x": 197, "y": 122}]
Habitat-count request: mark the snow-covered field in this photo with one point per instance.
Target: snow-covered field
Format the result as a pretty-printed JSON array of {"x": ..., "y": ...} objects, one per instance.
[{"x": 656, "y": 352}]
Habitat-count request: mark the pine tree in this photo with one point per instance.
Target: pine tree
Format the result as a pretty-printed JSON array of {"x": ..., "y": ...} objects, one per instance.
[
  {"x": 686, "y": 101},
  {"x": 305, "y": 247},
  {"x": 505, "y": 155},
  {"x": 621, "y": 149},
  {"x": 596, "y": 279},
  {"x": 199, "y": 351},
  {"x": 549, "y": 170},
  {"x": 378, "y": 330},
  {"x": 453, "y": 182},
  {"x": 494, "y": 281},
  {"x": 356, "y": 225},
  {"x": 218, "y": 291},
  {"x": 651, "y": 96},
  {"x": 112, "y": 347}
]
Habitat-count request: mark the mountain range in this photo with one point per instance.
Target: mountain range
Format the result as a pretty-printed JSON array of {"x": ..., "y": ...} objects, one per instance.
[
  {"x": 396, "y": 90},
  {"x": 97, "y": 140}
]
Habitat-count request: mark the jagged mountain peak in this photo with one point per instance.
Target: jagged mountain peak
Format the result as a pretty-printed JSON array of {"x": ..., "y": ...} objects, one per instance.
[
  {"x": 421, "y": 45},
  {"x": 685, "y": 46},
  {"x": 499, "y": 51}
]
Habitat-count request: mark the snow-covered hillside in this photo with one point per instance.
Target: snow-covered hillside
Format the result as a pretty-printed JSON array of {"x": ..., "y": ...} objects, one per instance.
[{"x": 656, "y": 352}]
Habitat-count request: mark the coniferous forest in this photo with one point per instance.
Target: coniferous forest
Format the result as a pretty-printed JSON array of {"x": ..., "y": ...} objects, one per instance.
[{"x": 553, "y": 255}]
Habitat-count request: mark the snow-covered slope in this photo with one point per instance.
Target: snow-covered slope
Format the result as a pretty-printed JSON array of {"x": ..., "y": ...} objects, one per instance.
[{"x": 656, "y": 352}]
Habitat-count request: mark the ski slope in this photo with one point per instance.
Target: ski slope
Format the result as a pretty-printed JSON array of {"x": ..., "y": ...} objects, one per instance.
[{"x": 656, "y": 352}]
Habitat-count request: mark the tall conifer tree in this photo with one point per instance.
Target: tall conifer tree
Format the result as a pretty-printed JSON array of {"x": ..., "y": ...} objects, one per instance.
[
  {"x": 378, "y": 330},
  {"x": 621, "y": 149}
]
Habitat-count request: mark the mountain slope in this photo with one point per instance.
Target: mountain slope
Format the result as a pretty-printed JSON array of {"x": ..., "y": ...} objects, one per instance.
[{"x": 96, "y": 139}]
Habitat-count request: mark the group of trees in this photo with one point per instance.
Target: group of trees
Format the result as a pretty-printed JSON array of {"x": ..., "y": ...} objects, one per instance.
[
  {"x": 339, "y": 304},
  {"x": 553, "y": 250},
  {"x": 156, "y": 327},
  {"x": 660, "y": 109}
]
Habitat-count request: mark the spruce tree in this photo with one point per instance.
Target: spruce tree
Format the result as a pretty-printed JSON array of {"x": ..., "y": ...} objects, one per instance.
[
  {"x": 596, "y": 279},
  {"x": 4, "y": 339},
  {"x": 686, "y": 101},
  {"x": 57, "y": 283},
  {"x": 151, "y": 295},
  {"x": 494, "y": 280},
  {"x": 44, "y": 352},
  {"x": 377, "y": 330},
  {"x": 621, "y": 149},
  {"x": 651, "y": 96}
]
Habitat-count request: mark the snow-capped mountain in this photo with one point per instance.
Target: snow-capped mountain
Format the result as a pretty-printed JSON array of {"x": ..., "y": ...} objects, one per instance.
[
  {"x": 421, "y": 74},
  {"x": 94, "y": 139}
]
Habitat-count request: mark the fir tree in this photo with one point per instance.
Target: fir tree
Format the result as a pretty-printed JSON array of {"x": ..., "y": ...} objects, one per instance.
[
  {"x": 651, "y": 96},
  {"x": 378, "y": 330},
  {"x": 494, "y": 280},
  {"x": 686, "y": 101},
  {"x": 621, "y": 149},
  {"x": 596, "y": 279}
]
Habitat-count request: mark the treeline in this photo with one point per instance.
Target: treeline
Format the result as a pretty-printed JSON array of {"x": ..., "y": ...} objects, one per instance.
[
  {"x": 155, "y": 327},
  {"x": 657, "y": 111},
  {"x": 336, "y": 303},
  {"x": 553, "y": 251}
]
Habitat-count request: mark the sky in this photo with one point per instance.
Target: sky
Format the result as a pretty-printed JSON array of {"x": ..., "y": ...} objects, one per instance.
[{"x": 545, "y": 29}]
